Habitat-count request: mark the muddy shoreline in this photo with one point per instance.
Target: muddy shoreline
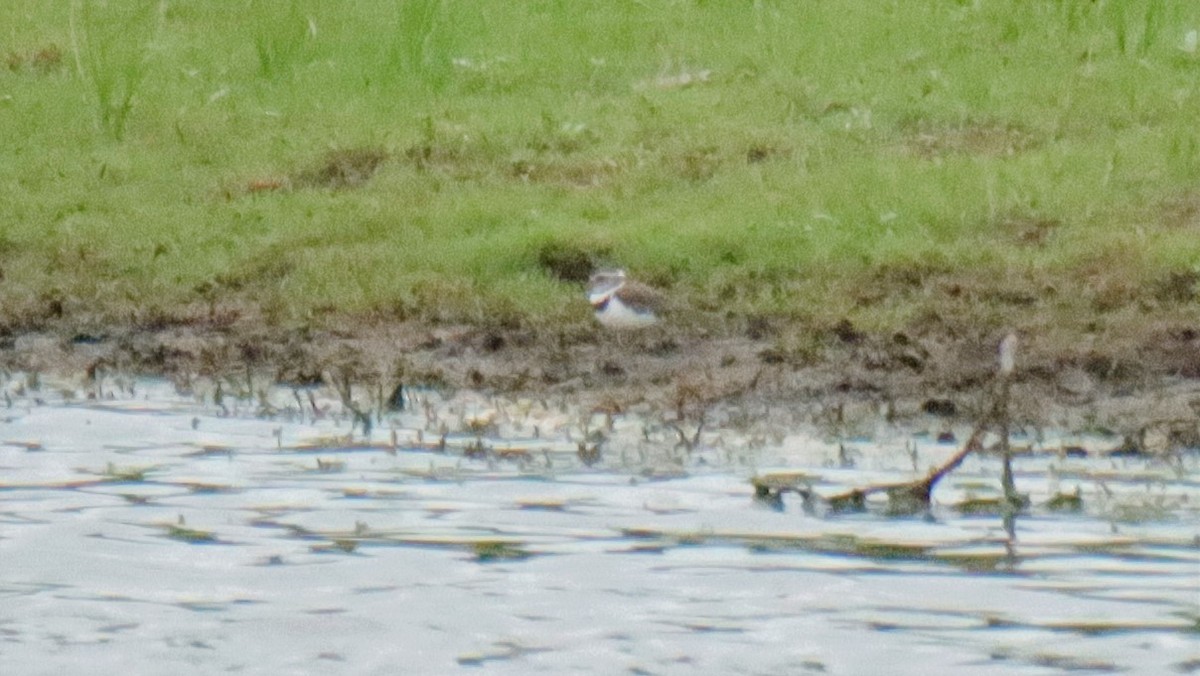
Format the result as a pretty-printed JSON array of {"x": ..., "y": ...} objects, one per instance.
[{"x": 848, "y": 376}]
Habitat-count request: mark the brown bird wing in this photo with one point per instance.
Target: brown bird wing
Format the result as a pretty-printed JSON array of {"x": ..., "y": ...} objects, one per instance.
[{"x": 640, "y": 297}]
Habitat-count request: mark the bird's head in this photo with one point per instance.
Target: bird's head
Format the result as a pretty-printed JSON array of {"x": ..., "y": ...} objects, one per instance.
[{"x": 603, "y": 284}]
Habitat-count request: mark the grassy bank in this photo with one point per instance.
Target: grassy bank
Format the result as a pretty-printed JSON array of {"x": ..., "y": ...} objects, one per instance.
[{"x": 897, "y": 164}]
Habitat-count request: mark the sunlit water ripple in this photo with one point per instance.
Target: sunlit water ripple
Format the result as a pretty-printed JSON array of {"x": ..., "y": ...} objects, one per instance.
[{"x": 152, "y": 533}]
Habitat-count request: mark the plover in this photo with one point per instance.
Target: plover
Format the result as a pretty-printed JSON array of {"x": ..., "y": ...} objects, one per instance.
[{"x": 621, "y": 303}]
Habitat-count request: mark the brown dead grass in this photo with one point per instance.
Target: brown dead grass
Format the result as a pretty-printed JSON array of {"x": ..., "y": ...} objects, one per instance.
[
  {"x": 1030, "y": 230},
  {"x": 581, "y": 174},
  {"x": 341, "y": 169},
  {"x": 42, "y": 60},
  {"x": 1180, "y": 213},
  {"x": 461, "y": 160}
]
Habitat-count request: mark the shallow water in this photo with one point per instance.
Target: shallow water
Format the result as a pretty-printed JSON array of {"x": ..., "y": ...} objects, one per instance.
[{"x": 151, "y": 532}]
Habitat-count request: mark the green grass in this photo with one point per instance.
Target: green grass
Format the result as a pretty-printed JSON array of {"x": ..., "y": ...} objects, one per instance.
[{"x": 882, "y": 161}]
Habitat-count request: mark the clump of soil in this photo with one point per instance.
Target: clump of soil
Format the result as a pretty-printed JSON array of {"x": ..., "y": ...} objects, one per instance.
[{"x": 567, "y": 261}]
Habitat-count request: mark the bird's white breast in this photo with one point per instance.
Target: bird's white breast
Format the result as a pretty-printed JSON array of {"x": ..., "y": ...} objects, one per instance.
[{"x": 618, "y": 315}]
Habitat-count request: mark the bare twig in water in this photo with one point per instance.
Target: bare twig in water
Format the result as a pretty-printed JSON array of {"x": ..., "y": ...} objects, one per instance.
[
  {"x": 909, "y": 497},
  {"x": 914, "y": 497}
]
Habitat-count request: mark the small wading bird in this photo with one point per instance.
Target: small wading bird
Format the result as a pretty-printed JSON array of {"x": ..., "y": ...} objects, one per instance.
[{"x": 621, "y": 303}]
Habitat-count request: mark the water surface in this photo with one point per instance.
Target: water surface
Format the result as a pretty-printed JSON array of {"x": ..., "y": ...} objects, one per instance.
[{"x": 152, "y": 532}]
